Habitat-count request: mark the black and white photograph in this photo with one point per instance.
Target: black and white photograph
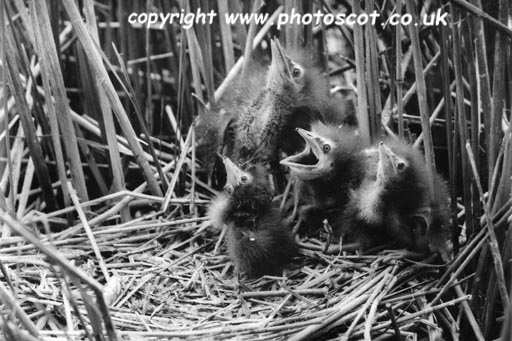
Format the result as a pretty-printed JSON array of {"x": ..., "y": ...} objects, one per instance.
[{"x": 256, "y": 170}]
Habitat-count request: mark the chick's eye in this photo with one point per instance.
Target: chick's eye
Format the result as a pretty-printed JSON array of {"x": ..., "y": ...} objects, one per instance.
[
  {"x": 326, "y": 148},
  {"x": 296, "y": 72},
  {"x": 244, "y": 179},
  {"x": 400, "y": 166}
]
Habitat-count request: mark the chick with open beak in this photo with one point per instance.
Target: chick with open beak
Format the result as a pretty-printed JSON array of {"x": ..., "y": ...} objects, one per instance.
[
  {"x": 258, "y": 242},
  {"x": 396, "y": 204},
  {"x": 317, "y": 158},
  {"x": 330, "y": 165}
]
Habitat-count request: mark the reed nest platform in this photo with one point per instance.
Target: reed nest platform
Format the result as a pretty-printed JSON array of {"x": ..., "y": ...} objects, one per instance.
[{"x": 167, "y": 276}]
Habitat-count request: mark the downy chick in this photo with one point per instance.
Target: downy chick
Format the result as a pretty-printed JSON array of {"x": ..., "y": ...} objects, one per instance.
[
  {"x": 395, "y": 202},
  {"x": 258, "y": 241},
  {"x": 331, "y": 164},
  {"x": 296, "y": 93}
]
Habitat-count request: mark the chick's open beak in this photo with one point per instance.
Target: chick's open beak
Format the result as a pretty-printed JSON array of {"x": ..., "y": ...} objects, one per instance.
[
  {"x": 311, "y": 163},
  {"x": 280, "y": 65}
]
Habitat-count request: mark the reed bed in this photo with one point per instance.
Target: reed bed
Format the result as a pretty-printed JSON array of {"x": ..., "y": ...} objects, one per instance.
[{"x": 104, "y": 233}]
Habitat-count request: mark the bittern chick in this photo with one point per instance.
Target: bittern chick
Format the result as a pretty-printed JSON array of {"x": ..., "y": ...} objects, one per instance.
[
  {"x": 331, "y": 164},
  {"x": 296, "y": 93},
  {"x": 258, "y": 241},
  {"x": 396, "y": 203}
]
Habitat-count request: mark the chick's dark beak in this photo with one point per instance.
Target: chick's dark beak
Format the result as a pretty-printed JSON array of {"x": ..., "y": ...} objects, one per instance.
[
  {"x": 233, "y": 172},
  {"x": 280, "y": 65},
  {"x": 311, "y": 163},
  {"x": 388, "y": 162}
]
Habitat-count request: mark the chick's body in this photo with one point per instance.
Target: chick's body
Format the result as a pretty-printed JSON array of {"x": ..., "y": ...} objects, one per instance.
[
  {"x": 215, "y": 127},
  {"x": 258, "y": 241},
  {"x": 395, "y": 202}
]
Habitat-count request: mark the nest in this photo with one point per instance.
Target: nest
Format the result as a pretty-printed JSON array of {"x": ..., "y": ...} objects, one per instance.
[{"x": 168, "y": 276}]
